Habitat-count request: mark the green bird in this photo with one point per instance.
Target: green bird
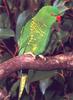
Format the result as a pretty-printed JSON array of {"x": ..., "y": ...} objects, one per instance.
[{"x": 36, "y": 34}]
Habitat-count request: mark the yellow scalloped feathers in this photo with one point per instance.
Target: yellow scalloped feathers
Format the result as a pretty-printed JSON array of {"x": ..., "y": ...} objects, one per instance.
[{"x": 34, "y": 28}]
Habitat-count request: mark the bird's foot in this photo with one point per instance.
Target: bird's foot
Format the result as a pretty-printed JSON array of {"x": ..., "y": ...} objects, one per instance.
[
  {"x": 42, "y": 57},
  {"x": 30, "y": 54}
]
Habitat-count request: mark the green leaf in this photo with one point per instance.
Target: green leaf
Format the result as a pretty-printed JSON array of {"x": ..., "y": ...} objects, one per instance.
[
  {"x": 4, "y": 21},
  {"x": 6, "y": 33},
  {"x": 44, "y": 77},
  {"x": 40, "y": 75},
  {"x": 50, "y": 96},
  {"x": 13, "y": 89},
  {"x": 21, "y": 21},
  {"x": 44, "y": 85}
]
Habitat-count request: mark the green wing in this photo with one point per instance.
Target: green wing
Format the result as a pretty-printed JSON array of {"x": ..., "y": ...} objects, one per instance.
[{"x": 36, "y": 33}]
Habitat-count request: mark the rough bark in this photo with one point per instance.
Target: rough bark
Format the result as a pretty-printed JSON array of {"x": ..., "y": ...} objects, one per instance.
[{"x": 62, "y": 61}]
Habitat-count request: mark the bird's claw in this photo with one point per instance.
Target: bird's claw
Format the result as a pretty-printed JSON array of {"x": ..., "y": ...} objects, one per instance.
[
  {"x": 30, "y": 54},
  {"x": 42, "y": 57},
  {"x": 34, "y": 56}
]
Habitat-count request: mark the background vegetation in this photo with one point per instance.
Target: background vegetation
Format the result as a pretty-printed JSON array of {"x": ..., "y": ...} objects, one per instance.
[{"x": 13, "y": 15}]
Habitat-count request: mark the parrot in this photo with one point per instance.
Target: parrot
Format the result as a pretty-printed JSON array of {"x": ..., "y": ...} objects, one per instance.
[{"x": 36, "y": 33}]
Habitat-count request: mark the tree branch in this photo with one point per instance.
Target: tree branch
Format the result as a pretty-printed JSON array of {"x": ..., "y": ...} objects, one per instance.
[{"x": 62, "y": 61}]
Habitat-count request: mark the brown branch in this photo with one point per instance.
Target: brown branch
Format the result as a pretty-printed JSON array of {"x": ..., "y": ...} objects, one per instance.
[{"x": 62, "y": 61}]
